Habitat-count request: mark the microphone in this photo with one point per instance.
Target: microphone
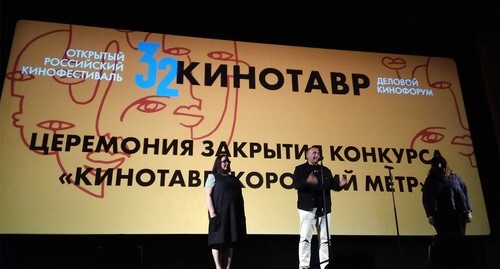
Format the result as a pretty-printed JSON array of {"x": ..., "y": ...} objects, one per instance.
[
  {"x": 388, "y": 167},
  {"x": 320, "y": 159}
]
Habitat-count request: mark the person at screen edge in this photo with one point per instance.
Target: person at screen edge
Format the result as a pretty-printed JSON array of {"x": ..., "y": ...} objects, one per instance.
[{"x": 448, "y": 209}]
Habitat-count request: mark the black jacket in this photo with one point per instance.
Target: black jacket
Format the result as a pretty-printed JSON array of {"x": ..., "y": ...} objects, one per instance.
[
  {"x": 309, "y": 196},
  {"x": 439, "y": 195}
]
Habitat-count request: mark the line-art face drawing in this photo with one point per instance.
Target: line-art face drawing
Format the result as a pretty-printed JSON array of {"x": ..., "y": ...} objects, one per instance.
[
  {"x": 110, "y": 109},
  {"x": 433, "y": 135}
]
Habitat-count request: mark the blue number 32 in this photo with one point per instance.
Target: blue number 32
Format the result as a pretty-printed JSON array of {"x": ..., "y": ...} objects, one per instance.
[{"x": 162, "y": 89}]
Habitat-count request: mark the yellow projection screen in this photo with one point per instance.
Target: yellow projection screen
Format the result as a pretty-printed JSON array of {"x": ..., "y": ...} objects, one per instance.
[{"x": 110, "y": 131}]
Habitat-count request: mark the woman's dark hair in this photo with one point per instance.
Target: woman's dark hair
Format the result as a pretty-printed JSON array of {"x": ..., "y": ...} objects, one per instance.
[
  {"x": 438, "y": 162},
  {"x": 439, "y": 165},
  {"x": 217, "y": 168}
]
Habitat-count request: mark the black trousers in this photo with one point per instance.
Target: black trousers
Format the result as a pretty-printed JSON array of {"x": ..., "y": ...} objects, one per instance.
[{"x": 448, "y": 249}]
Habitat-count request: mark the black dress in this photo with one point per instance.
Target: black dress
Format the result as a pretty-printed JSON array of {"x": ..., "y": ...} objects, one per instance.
[{"x": 229, "y": 224}]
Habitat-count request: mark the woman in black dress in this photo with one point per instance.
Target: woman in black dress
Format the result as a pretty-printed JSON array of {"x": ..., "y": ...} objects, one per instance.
[{"x": 226, "y": 212}]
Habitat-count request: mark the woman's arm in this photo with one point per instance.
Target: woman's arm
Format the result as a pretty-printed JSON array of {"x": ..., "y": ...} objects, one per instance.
[{"x": 210, "y": 203}]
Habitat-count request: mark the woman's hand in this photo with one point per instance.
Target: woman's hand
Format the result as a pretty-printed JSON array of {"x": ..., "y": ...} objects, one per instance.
[
  {"x": 431, "y": 220},
  {"x": 469, "y": 216}
]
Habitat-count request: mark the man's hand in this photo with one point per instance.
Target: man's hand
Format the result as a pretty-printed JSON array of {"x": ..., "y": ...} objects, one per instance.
[
  {"x": 343, "y": 181},
  {"x": 312, "y": 179}
]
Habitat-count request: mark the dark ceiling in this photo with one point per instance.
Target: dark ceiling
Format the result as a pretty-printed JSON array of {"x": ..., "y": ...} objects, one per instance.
[{"x": 262, "y": 20}]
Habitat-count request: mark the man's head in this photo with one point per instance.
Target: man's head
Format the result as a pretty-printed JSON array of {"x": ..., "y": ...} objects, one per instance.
[{"x": 313, "y": 155}]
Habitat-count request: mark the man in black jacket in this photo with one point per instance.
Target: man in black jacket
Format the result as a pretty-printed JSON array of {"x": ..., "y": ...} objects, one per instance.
[{"x": 313, "y": 182}]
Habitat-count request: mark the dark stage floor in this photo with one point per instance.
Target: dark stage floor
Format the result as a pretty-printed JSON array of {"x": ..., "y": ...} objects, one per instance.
[{"x": 191, "y": 251}]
